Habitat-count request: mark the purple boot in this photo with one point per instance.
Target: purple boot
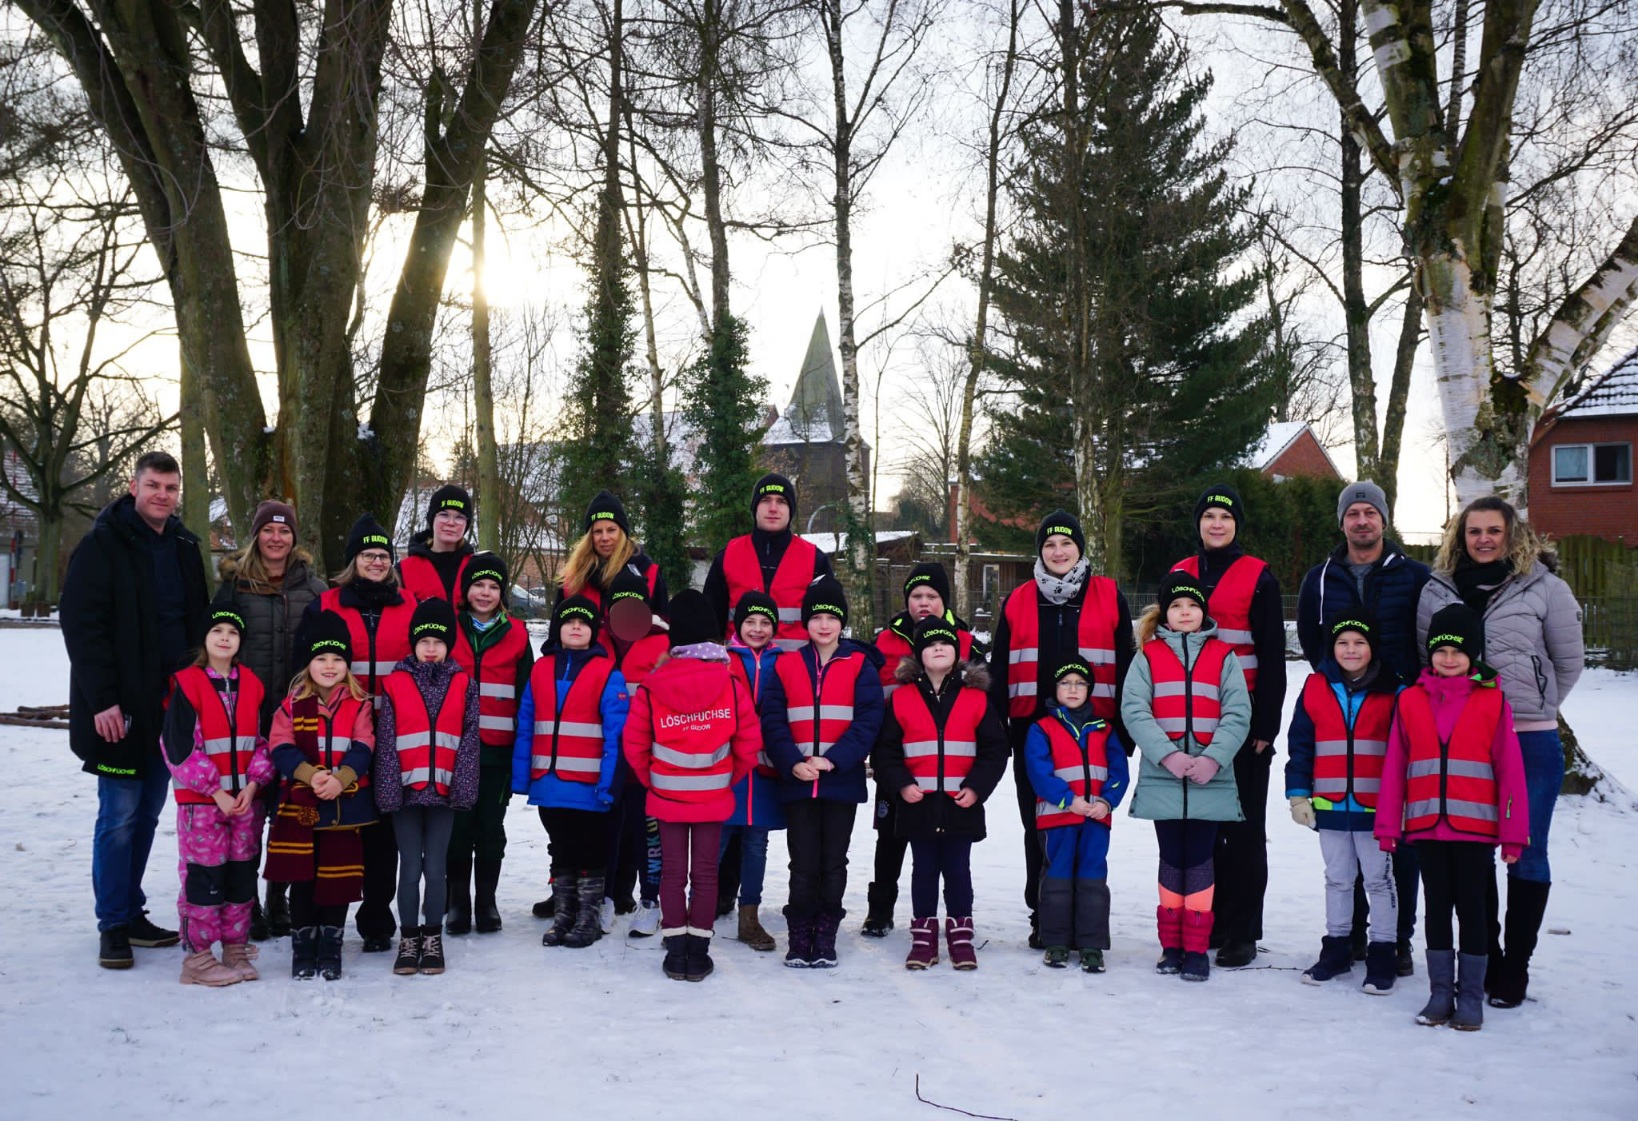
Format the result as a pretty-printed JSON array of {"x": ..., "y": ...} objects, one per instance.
[
  {"x": 801, "y": 931},
  {"x": 959, "y": 934},
  {"x": 824, "y": 939},
  {"x": 923, "y": 944}
]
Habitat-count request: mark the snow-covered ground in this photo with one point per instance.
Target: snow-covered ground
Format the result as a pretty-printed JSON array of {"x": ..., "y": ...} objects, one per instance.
[{"x": 513, "y": 1029}]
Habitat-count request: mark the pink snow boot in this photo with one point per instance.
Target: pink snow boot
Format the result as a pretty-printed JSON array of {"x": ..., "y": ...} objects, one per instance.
[
  {"x": 237, "y": 957},
  {"x": 202, "y": 968},
  {"x": 923, "y": 944},
  {"x": 959, "y": 934}
]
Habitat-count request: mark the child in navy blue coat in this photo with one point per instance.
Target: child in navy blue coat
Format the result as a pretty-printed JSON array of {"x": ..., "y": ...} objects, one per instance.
[{"x": 757, "y": 809}]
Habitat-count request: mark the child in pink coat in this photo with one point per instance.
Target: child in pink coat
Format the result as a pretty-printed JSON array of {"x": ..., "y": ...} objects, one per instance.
[{"x": 1453, "y": 783}]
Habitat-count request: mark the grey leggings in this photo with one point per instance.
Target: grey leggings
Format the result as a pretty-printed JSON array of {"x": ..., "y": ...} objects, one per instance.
[{"x": 422, "y": 833}]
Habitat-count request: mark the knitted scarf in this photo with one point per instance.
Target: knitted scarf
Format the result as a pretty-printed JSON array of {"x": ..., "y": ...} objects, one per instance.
[{"x": 1059, "y": 590}]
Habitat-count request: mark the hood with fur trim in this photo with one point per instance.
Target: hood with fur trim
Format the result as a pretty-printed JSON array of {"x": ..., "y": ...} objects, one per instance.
[{"x": 974, "y": 675}]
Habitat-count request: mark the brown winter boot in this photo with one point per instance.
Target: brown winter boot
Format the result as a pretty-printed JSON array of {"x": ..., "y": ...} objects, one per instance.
[
  {"x": 750, "y": 929},
  {"x": 237, "y": 957},
  {"x": 203, "y": 969}
]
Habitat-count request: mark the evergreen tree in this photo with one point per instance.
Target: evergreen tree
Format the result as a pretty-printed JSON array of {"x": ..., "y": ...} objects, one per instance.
[
  {"x": 1134, "y": 359},
  {"x": 722, "y": 403},
  {"x": 663, "y": 496}
]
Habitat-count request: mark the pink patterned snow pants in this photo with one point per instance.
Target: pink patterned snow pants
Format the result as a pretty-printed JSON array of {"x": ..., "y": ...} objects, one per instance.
[{"x": 217, "y": 858}]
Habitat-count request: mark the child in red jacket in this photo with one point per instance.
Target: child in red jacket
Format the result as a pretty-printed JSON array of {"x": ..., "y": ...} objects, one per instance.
[
  {"x": 1453, "y": 782},
  {"x": 691, "y": 734}
]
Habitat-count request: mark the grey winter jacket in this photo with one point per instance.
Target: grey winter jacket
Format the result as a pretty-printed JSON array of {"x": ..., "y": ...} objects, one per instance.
[
  {"x": 1533, "y": 639},
  {"x": 270, "y": 619},
  {"x": 1159, "y": 796}
]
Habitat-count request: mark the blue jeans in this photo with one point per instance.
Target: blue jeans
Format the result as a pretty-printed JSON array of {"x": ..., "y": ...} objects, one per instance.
[
  {"x": 1543, "y": 778},
  {"x": 753, "y": 860},
  {"x": 127, "y": 812}
]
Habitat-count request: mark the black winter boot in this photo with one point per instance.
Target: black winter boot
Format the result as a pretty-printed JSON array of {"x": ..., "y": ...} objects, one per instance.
[
  {"x": 1335, "y": 959},
  {"x": 258, "y": 922},
  {"x": 304, "y": 953},
  {"x": 676, "y": 957},
  {"x": 485, "y": 912},
  {"x": 800, "y": 928},
  {"x": 458, "y": 890},
  {"x": 278, "y": 910},
  {"x": 329, "y": 952},
  {"x": 697, "y": 956},
  {"x": 1526, "y": 906},
  {"x": 408, "y": 961},
  {"x": 879, "y": 917},
  {"x": 588, "y": 902},
  {"x": 824, "y": 939},
  {"x": 545, "y": 908},
  {"x": 432, "y": 949},
  {"x": 563, "y": 909},
  {"x": 1380, "y": 971}
]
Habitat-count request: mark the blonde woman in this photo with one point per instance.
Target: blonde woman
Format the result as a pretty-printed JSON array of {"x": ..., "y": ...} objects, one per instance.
[{"x": 604, "y": 549}]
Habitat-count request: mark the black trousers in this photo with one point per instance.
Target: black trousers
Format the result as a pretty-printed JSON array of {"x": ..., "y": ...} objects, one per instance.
[
  {"x": 1456, "y": 876},
  {"x": 580, "y": 839},
  {"x": 304, "y": 912},
  {"x": 375, "y": 918},
  {"x": 1241, "y": 855},
  {"x": 482, "y": 830},
  {"x": 890, "y": 847},
  {"x": 817, "y": 832}
]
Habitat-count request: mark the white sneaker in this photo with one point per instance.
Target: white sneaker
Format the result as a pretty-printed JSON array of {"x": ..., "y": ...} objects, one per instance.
[
  {"x": 646, "y": 922},
  {"x": 605, "y": 915}
]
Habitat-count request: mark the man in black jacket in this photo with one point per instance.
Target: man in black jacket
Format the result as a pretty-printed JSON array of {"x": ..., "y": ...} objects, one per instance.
[{"x": 134, "y": 603}]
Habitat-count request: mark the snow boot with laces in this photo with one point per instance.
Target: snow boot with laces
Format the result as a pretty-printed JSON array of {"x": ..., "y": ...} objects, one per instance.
[
  {"x": 408, "y": 961},
  {"x": 750, "y": 929},
  {"x": 432, "y": 949}
]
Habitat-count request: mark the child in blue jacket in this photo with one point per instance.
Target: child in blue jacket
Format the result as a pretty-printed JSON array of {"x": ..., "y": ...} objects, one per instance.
[{"x": 757, "y": 809}]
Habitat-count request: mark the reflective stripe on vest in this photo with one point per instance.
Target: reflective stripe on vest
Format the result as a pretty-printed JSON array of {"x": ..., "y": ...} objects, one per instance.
[
  {"x": 838, "y": 679},
  {"x": 427, "y": 746},
  {"x": 691, "y": 754},
  {"x": 496, "y": 671},
  {"x": 752, "y": 680},
  {"x": 568, "y": 744},
  {"x": 1453, "y": 781},
  {"x": 377, "y": 651},
  {"x": 1094, "y": 638},
  {"x": 940, "y": 758},
  {"x": 895, "y": 648},
  {"x": 742, "y": 570},
  {"x": 1186, "y": 703},
  {"x": 224, "y": 734},
  {"x": 1229, "y": 606},
  {"x": 1084, "y": 768},
  {"x": 1347, "y": 760}
]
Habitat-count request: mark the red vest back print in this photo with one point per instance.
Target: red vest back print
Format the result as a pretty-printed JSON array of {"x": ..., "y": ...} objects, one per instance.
[
  {"x": 1085, "y": 770},
  {"x": 229, "y": 738},
  {"x": 1455, "y": 781},
  {"x": 376, "y": 652},
  {"x": 1230, "y": 607},
  {"x": 1094, "y": 637},
  {"x": 939, "y": 759},
  {"x": 497, "y": 675},
  {"x": 426, "y": 746},
  {"x": 817, "y": 723},
  {"x": 743, "y": 572},
  {"x": 568, "y": 744},
  {"x": 693, "y": 747},
  {"x": 1347, "y": 760},
  {"x": 1187, "y": 703},
  {"x": 420, "y": 578}
]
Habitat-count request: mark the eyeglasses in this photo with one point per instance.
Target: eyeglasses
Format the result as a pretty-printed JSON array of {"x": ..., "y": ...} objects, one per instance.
[{"x": 374, "y": 558}]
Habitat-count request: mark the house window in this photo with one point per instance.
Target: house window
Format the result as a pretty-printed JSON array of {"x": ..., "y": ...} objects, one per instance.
[{"x": 1592, "y": 464}]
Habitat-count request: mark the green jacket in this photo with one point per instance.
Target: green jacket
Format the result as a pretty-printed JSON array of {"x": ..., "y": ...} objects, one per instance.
[{"x": 1159, "y": 796}]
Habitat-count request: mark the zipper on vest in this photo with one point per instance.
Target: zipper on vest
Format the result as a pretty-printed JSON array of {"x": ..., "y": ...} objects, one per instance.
[
  {"x": 233, "y": 733},
  {"x": 1188, "y": 716}
]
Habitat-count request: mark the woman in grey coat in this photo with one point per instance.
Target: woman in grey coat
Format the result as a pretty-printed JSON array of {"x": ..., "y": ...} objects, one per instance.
[{"x": 1494, "y": 563}]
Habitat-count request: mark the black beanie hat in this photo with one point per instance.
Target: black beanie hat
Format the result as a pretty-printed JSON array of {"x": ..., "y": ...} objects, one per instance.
[
  {"x": 932, "y": 575},
  {"x": 1060, "y": 521},
  {"x": 324, "y": 633},
  {"x": 225, "y": 615},
  {"x": 1224, "y": 497},
  {"x": 824, "y": 595},
  {"x": 1460, "y": 626},
  {"x": 450, "y": 497},
  {"x": 774, "y": 483},
  {"x": 1072, "y": 664},
  {"x": 1180, "y": 585},
  {"x": 483, "y": 566},
  {"x": 1361, "y": 623},
  {"x": 575, "y": 607},
  {"x": 628, "y": 583},
  {"x": 934, "y": 629},
  {"x": 607, "y": 508},
  {"x": 755, "y": 603},
  {"x": 692, "y": 620},
  {"x": 433, "y": 618},
  {"x": 368, "y": 534}
]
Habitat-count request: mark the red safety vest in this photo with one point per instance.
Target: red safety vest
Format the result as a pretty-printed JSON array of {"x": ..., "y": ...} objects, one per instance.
[
  {"x": 426, "y": 746},
  {"x": 1454, "y": 780},
  {"x": 376, "y": 652},
  {"x": 940, "y": 758},
  {"x": 1094, "y": 636},
  {"x": 642, "y": 657},
  {"x": 1230, "y": 607},
  {"x": 568, "y": 744},
  {"x": 1347, "y": 760},
  {"x": 752, "y": 680},
  {"x": 229, "y": 738},
  {"x": 496, "y": 672},
  {"x": 1086, "y": 769},
  {"x": 1187, "y": 703},
  {"x": 591, "y": 592},
  {"x": 743, "y": 571},
  {"x": 816, "y": 724},
  {"x": 324, "y": 741},
  {"x": 895, "y": 647},
  {"x": 420, "y": 577},
  {"x": 692, "y": 757}
]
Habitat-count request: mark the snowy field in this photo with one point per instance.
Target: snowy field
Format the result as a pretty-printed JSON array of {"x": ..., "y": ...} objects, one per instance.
[{"x": 515, "y": 1030}]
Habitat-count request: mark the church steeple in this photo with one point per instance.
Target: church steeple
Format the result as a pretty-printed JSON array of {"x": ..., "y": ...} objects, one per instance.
[{"x": 815, "y": 412}]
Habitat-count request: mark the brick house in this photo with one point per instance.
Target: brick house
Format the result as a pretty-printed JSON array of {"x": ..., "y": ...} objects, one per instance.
[
  {"x": 1289, "y": 449},
  {"x": 1580, "y": 471}
]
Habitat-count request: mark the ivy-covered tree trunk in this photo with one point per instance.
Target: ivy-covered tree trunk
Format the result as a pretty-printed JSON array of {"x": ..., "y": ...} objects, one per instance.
[{"x": 483, "y": 389}]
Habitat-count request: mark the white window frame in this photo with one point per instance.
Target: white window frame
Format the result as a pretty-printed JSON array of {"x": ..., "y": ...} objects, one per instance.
[{"x": 1591, "y": 448}]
